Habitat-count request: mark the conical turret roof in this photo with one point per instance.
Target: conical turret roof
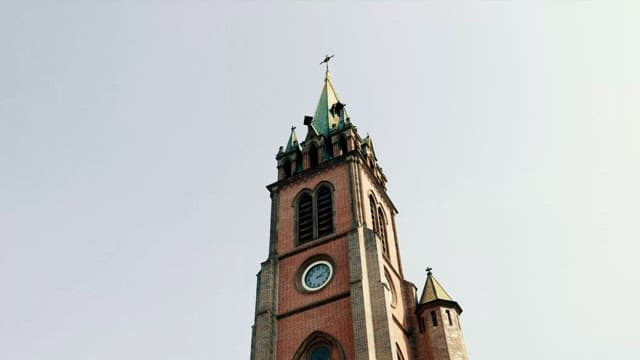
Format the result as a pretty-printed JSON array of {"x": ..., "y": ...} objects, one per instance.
[{"x": 434, "y": 293}]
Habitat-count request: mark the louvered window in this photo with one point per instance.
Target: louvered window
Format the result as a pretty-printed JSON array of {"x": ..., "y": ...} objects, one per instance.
[
  {"x": 325, "y": 211},
  {"x": 305, "y": 218},
  {"x": 315, "y": 215},
  {"x": 382, "y": 232},
  {"x": 372, "y": 208}
]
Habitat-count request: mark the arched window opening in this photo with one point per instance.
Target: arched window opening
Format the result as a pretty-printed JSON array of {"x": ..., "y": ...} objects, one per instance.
[
  {"x": 305, "y": 219},
  {"x": 434, "y": 319},
  {"x": 325, "y": 211},
  {"x": 372, "y": 208},
  {"x": 320, "y": 353},
  {"x": 382, "y": 232},
  {"x": 314, "y": 214},
  {"x": 320, "y": 346},
  {"x": 342, "y": 144},
  {"x": 313, "y": 156},
  {"x": 287, "y": 168},
  {"x": 449, "y": 316}
]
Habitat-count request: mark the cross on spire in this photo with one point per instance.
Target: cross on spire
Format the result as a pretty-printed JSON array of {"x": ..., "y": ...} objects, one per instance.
[
  {"x": 326, "y": 61},
  {"x": 429, "y": 268}
]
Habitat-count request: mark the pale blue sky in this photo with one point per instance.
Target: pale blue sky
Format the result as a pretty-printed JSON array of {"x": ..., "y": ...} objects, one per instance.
[{"x": 136, "y": 139}]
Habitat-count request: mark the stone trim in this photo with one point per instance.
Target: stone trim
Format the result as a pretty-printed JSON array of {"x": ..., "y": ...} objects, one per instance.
[
  {"x": 314, "y": 304},
  {"x": 404, "y": 331},
  {"x": 313, "y": 243}
]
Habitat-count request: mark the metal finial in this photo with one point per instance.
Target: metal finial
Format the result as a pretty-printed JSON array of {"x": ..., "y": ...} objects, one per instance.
[
  {"x": 293, "y": 128},
  {"x": 429, "y": 270},
  {"x": 326, "y": 61}
]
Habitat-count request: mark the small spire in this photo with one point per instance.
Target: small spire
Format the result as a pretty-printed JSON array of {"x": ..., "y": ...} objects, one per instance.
[{"x": 292, "y": 144}]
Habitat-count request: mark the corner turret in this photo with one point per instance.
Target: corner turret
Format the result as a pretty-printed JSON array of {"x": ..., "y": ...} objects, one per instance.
[{"x": 439, "y": 322}]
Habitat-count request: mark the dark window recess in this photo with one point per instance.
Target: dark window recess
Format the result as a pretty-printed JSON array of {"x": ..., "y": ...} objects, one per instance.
[
  {"x": 328, "y": 149},
  {"x": 343, "y": 145},
  {"x": 421, "y": 323},
  {"x": 321, "y": 353},
  {"x": 313, "y": 156},
  {"x": 298, "y": 161},
  {"x": 434, "y": 318},
  {"x": 449, "y": 316},
  {"x": 305, "y": 219},
  {"x": 287, "y": 168},
  {"x": 336, "y": 109},
  {"x": 382, "y": 232},
  {"x": 372, "y": 207},
  {"x": 325, "y": 212}
]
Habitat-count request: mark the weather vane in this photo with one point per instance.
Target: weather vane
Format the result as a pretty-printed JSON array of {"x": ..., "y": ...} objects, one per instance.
[{"x": 326, "y": 61}]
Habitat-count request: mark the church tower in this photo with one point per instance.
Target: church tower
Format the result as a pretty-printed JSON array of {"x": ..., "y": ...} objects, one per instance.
[{"x": 332, "y": 286}]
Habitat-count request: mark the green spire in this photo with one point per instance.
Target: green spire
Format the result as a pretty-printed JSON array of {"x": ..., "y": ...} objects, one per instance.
[
  {"x": 292, "y": 144},
  {"x": 330, "y": 114}
]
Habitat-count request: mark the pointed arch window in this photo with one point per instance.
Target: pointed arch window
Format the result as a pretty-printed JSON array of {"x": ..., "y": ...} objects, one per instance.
[
  {"x": 320, "y": 346},
  {"x": 315, "y": 214},
  {"x": 305, "y": 218},
  {"x": 372, "y": 209},
  {"x": 325, "y": 211},
  {"x": 382, "y": 231}
]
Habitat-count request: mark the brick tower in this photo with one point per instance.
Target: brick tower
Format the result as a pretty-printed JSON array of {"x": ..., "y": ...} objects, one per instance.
[{"x": 332, "y": 286}]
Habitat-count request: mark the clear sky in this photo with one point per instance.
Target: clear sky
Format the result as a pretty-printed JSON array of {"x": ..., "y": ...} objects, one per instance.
[{"x": 137, "y": 137}]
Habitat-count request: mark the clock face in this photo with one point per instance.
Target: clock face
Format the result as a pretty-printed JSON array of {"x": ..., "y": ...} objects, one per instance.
[{"x": 317, "y": 275}]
